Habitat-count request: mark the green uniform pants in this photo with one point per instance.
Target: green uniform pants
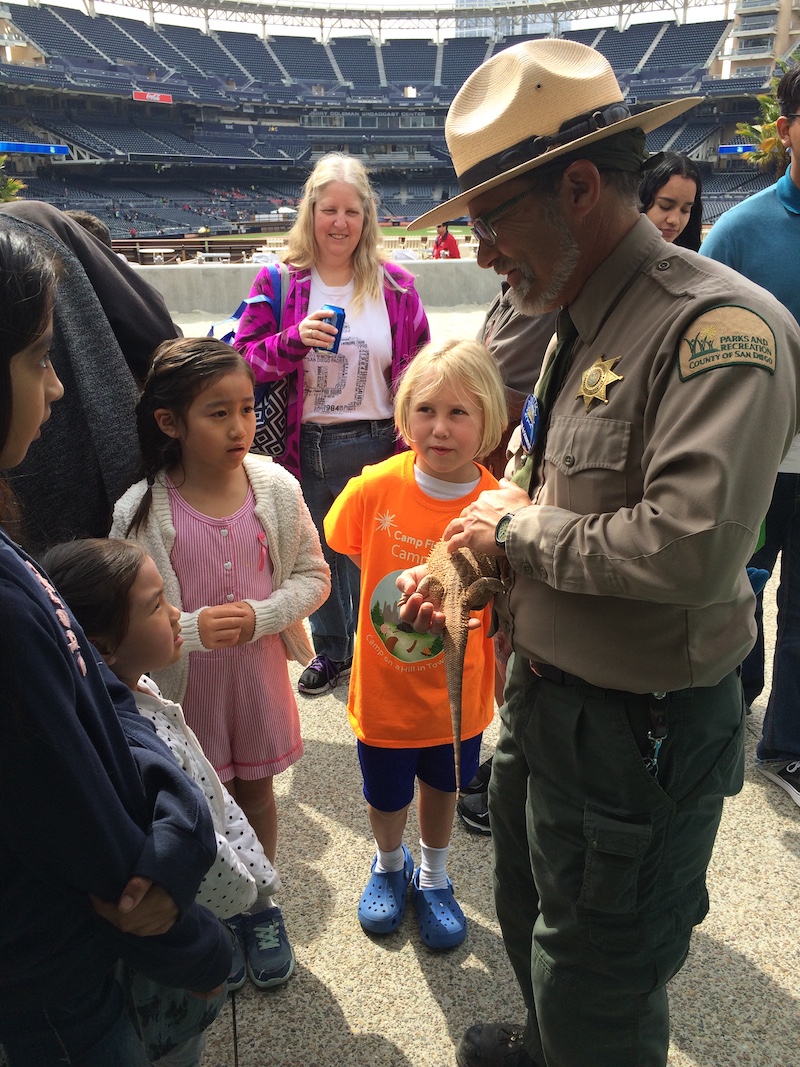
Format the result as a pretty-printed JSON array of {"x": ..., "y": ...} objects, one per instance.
[{"x": 600, "y": 867}]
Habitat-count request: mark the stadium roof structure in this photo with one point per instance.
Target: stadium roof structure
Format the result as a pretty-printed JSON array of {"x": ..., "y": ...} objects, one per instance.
[{"x": 376, "y": 18}]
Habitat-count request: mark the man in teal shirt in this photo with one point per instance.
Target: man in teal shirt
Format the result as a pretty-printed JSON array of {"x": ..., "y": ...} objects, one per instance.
[{"x": 761, "y": 239}]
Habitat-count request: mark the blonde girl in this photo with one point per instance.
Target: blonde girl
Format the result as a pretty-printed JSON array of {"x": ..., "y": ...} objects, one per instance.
[{"x": 451, "y": 409}]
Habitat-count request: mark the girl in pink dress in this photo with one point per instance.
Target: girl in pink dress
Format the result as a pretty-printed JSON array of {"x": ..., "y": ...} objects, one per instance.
[{"x": 239, "y": 555}]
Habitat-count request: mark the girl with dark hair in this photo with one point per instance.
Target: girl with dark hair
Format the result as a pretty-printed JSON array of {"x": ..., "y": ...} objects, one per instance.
[
  {"x": 670, "y": 196},
  {"x": 118, "y": 596},
  {"x": 239, "y": 556},
  {"x": 85, "y": 864}
]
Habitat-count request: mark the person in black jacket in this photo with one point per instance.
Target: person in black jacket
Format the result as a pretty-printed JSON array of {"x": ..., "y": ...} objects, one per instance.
[{"x": 108, "y": 321}]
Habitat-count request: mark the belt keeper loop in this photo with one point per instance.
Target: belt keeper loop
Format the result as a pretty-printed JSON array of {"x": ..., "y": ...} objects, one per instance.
[{"x": 658, "y": 704}]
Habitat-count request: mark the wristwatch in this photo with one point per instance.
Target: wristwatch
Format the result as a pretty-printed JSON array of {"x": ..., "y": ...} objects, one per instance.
[{"x": 501, "y": 530}]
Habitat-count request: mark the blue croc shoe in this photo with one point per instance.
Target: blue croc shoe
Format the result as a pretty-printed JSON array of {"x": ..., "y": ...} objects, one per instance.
[
  {"x": 383, "y": 901},
  {"x": 442, "y": 923}
]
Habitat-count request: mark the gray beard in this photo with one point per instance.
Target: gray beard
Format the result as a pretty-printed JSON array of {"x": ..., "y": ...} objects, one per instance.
[{"x": 524, "y": 297}]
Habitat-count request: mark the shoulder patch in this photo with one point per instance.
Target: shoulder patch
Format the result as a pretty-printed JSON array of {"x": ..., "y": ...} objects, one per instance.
[{"x": 726, "y": 336}]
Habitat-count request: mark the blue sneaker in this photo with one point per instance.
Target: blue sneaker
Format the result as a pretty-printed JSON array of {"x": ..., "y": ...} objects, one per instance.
[
  {"x": 442, "y": 923},
  {"x": 383, "y": 901},
  {"x": 270, "y": 959},
  {"x": 238, "y": 973}
]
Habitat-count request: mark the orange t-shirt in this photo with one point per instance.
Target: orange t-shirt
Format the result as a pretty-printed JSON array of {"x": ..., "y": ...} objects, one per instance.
[{"x": 398, "y": 691}]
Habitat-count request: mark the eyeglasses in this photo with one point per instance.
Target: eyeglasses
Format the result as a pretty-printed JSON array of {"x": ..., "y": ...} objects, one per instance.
[{"x": 482, "y": 228}]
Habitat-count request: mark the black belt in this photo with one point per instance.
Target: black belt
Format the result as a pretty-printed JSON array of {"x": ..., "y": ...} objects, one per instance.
[
  {"x": 658, "y": 704},
  {"x": 553, "y": 674}
]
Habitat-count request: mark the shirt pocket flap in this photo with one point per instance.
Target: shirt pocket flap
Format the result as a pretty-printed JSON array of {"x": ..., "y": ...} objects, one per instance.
[{"x": 576, "y": 444}]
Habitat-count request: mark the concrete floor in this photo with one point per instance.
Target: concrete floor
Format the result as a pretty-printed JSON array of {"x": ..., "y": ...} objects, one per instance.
[{"x": 359, "y": 1001}]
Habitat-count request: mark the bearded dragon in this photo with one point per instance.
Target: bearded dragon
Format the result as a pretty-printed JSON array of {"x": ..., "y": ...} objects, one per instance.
[{"x": 457, "y": 583}]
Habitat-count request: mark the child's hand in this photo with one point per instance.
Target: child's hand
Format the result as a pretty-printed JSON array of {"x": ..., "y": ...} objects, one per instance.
[
  {"x": 143, "y": 909},
  {"x": 249, "y": 623},
  {"x": 417, "y": 612},
  {"x": 221, "y": 626}
]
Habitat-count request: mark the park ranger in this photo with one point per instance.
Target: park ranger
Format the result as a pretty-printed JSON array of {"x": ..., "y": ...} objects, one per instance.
[{"x": 648, "y": 456}]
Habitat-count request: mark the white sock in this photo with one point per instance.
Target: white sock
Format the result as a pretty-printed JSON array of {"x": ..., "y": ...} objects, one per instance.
[
  {"x": 389, "y": 861},
  {"x": 262, "y": 903},
  {"x": 433, "y": 867}
]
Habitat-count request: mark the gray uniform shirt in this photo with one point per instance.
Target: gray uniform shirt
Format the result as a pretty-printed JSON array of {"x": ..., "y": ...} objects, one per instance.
[{"x": 681, "y": 399}]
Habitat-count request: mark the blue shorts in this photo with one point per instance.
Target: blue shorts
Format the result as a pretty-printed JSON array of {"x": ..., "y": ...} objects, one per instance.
[{"x": 389, "y": 773}]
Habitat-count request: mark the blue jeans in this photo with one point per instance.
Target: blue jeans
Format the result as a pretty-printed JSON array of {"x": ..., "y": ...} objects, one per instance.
[
  {"x": 329, "y": 457},
  {"x": 86, "y": 1030},
  {"x": 781, "y": 734}
]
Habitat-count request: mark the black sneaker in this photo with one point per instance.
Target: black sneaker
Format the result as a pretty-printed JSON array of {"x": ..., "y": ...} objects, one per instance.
[
  {"x": 787, "y": 777},
  {"x": 480, "y": 782},
  {"x": 493, "y": 1045},
  {"x": 473, "y": 810},
  {"x": 323, "y": 674}
]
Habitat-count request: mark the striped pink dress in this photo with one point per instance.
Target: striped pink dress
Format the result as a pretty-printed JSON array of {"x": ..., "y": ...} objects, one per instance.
[{"x": 239, "y": 701}]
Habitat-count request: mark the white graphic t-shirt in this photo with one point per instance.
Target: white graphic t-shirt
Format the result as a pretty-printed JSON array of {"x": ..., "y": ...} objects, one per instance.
[{"x": 355, "y": 382}]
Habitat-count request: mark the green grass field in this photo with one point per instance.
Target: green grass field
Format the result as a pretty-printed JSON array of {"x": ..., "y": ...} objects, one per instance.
[{"x": 387, "y": 231}]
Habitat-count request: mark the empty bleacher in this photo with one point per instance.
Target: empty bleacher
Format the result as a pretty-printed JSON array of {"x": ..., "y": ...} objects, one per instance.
[
  {"x": 409, "y": 62},
  {"x": 462, "y": 56},
  {"x": 44, "y": 77},
  {"x": 689, "y": 45},
  {"x": 356, "y": 59},
  {"x": 692, "y": 136},
  {"x": 203, "y": 51},
  {"x": 304, "y": 59},
  {"x": 74, "y": 133},
  {"x": 242, "y": 102},
  {"x": 625, "y": 49},
  {"x": 156, "y": 44},
  {"x": 507, "y": 42},
  {"x": 252, "y": 54},
  {"x": 49, "y": 32},
  {"x": 587, "y": 37},
  {"x": 106, "y": 37}
]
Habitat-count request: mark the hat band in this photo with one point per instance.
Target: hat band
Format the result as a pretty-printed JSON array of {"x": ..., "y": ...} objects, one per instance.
[{"x": 535, "y": 146}]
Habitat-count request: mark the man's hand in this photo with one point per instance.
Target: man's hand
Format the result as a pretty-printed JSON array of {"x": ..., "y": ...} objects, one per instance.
[
  {"x": 144, "y": 909},
  {"x": 221, "y": 626},
  {"x": 475, "y": 526}
]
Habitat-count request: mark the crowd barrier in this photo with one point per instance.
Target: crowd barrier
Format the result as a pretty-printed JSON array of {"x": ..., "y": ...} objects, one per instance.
[{"x": 218, "y": 288}]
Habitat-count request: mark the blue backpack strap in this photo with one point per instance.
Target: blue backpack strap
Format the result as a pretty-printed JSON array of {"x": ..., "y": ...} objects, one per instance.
[{"x": 277, "y": 302}]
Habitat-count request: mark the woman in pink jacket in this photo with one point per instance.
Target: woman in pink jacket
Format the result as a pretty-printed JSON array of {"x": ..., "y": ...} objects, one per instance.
[{"x": 340, "y": 402}]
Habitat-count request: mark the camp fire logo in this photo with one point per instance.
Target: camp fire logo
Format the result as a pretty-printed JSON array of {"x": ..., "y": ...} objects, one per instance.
[{"x": 724, "y": 337}]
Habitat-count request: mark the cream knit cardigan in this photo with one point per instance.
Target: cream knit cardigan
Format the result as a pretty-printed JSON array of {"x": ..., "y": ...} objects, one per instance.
[{"x": 301, "y": 577}]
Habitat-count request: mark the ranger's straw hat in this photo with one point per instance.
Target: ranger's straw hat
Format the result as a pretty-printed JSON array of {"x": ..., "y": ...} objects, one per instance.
[{"x": 528, "y": 105}]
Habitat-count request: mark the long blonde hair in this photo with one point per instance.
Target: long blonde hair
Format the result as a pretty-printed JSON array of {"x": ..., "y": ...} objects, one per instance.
[{"x": 301, "y": 249}]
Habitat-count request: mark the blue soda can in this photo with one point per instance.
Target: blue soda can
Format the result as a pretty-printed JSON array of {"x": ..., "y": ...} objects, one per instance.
[{"x": 338, "y": 322}]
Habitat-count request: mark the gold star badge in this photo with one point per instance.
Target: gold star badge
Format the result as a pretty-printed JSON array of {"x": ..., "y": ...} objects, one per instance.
[{"x": 597, "y": 379}]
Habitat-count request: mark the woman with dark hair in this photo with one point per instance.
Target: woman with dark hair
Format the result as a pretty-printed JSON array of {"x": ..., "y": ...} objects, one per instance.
[
  {"x": 101, "y": 841},
  {"x": 670, "y": 196}
]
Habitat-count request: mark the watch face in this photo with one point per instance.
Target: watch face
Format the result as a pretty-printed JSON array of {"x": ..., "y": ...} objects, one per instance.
[{"x": 501, "y": 529}]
